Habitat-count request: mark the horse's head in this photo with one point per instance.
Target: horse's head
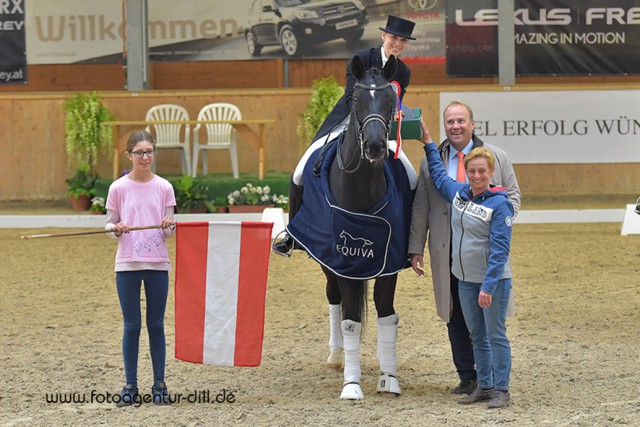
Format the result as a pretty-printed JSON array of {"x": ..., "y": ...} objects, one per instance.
[{"x": 372, "y": 107}]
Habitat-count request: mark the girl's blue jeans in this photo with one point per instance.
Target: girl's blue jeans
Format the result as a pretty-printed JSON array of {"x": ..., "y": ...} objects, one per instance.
[{"x": 156, "y": 289}]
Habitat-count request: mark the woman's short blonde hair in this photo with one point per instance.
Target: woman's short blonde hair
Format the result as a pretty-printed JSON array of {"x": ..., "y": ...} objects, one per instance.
[{"x": 481, "y": 152}]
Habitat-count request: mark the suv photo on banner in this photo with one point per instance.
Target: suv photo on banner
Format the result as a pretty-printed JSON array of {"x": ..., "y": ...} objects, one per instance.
[
  {"x": 90, "y": 31},
  {"x": 292, "y": 24},
  {"x": 572, "y": 37},
  {"x": 13, "y": 52}
]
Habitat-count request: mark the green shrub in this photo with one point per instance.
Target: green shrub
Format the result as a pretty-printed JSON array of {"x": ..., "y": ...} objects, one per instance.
[
  {"x": 85, "y": 136},
  {"x": 191, "y": 195},
  {"x": 326, "y": 92}
]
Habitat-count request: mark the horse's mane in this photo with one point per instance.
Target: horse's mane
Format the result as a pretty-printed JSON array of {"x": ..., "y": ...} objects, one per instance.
[{"x": 373, "y": 76}]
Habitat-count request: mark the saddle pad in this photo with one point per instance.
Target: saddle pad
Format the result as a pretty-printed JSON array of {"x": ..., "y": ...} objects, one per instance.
[{"x": 354, "y": 245}]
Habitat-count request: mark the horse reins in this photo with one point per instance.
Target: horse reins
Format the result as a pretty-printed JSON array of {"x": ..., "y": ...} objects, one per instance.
[{"x": 374, "y": 117}]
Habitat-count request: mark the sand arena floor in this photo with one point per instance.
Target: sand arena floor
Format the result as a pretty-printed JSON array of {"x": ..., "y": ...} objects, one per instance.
[{"x": 575, "y": 342}]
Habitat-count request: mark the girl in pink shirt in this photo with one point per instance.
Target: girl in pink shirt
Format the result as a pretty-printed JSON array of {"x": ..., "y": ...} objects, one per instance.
[{"x": 141, "y": 198}]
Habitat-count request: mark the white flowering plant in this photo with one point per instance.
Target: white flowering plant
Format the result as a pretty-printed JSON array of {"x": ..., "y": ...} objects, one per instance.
[
  {"x": 98, "y": 205},
  {"x": 280, "y": 201},
  {"x": 255, "y": 195}
]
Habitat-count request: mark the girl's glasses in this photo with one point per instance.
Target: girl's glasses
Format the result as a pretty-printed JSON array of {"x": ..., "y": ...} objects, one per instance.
[{"x": 140, "y": 154}]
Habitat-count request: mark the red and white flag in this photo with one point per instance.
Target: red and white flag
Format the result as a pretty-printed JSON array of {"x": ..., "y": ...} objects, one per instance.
[{"x": 221, "y": 282}]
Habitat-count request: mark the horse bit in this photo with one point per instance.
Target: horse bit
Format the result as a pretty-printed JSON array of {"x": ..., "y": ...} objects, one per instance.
[{"x": 360, "y": 127}]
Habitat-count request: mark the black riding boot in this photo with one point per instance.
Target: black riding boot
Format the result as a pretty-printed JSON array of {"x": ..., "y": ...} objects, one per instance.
[{"x": 285, "y": 246}]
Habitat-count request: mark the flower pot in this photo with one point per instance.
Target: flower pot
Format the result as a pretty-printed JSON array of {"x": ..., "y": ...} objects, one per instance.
[
  {"x": 96, "y": 213},
  {"x": 222, "y": 209},
  {"x": 248, "y": 208},
  {"x": 82, "y": 203}
]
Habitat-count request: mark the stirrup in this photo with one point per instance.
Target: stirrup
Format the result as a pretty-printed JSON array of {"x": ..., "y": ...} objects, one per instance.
[
  {"x": 352, "y": 391},
  {"x": 388, "y": 384},
  {"x": 279, "y": 247}
]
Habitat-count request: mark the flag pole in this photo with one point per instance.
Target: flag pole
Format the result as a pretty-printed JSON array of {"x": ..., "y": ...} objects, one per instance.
[{"x": 82, "y": 233}]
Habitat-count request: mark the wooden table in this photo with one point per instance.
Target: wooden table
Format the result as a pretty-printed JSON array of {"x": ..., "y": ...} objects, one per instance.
[{"x": 256, "y": 140}]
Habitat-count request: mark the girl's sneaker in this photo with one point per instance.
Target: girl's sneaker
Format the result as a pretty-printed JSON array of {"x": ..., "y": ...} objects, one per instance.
[
  {"x": 160, "y": 393},
  {"x": 128, "y": 396}
]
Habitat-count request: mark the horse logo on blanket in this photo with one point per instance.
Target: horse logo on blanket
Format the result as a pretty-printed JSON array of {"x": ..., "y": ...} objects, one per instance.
[{"x": 354, "y": 245}]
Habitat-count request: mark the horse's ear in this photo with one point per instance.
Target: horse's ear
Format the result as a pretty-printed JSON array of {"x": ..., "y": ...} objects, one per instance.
[
  {"x": 357, "y": 67},
  {"x": 390, "y": 67}
]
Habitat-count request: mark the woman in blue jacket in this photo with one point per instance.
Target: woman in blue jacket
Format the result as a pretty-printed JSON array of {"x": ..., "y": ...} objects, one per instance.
[{"x": 481, "y": 220}]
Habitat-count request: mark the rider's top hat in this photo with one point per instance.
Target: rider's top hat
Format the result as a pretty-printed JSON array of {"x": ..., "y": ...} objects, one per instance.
[{"x": 399, "y": 27}]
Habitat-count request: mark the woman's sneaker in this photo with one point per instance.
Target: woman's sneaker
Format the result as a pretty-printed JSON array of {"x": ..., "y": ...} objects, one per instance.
[
  {"x": 160, "y": 393},
  {"x": 128, "y": 396},
  {"x": 477, "y": 395},
  {"x": 499, "y": 399}
]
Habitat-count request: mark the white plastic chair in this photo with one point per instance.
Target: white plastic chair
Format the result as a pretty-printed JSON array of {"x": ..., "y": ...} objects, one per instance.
[
  {"x": 171, "y": 135},
  {"x": 219, "y": 135}
]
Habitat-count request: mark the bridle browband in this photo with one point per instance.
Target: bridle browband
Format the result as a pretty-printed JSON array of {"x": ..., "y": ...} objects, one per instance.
[{"x": 374, "y": 117}]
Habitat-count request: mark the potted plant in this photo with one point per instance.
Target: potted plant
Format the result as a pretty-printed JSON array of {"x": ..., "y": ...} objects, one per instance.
[
  {"x": 98, "y": 206},
  {"x": 85, "y": 137},
  {"x": 326, "y": 92},
  {"x": 251, "y": 198},
  {"x": 81, "y": 187},
  {"x": 192, "y": 196}
]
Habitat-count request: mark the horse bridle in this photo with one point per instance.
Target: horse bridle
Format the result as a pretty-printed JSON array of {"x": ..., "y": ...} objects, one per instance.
[{"x": 374, "y": 117}]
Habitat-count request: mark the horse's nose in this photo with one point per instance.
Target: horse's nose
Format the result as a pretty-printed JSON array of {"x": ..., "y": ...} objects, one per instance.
[{"x": 375, "y": 149}]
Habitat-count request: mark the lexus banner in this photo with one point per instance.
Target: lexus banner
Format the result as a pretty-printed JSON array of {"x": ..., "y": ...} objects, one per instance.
[
  {"x": 552, "y": 37},
  {"x": 13, "y": 55}
]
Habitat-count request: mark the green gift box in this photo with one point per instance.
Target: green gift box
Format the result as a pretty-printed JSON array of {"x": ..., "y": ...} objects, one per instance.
[{"x": 410, "y": 127}]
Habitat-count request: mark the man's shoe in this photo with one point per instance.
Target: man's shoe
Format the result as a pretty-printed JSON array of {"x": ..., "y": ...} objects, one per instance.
[
  {"x": 128, "y": 396},
  {"x": 465, "y": 387},
  {"x": 284, "y": 247},
  {"x": 477, "y": 395},
  {"x": 499, "y": 399}
]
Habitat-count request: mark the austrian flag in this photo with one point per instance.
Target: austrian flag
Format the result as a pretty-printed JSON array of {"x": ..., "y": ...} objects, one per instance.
[{"x": 221, "y": 282}]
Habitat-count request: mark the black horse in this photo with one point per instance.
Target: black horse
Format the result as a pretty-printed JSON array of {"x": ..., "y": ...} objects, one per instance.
[{"x": 354, "y": 205}]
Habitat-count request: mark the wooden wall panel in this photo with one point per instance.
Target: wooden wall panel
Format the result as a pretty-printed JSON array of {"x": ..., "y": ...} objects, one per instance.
[
  {"x": 33, "y": 160},
  {"x": 33, "y": 151},
  {"x": 74, "y": 77},
  {"x": 214, "y": 75},
  {"x": 302, "y": 73},
  {"x": 257, "y": 74}
]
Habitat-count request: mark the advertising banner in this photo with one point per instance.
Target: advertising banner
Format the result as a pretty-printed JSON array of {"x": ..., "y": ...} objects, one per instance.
[
  {"x": 13, "y": 55},
  {"x": 556, "y": 126},
  {"x": 552, "y": 37},
  {"x": 68, "y": 31}
]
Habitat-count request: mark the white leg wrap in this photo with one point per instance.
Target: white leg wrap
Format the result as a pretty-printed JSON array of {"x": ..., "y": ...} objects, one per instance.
[
  {"x": 336, "y": 343},
  {"x": 388, "y": 384},
  {"x": 335, "y": 332},
  {"x": 351, "y": 332},
  {"x": 387, "y": 339}
]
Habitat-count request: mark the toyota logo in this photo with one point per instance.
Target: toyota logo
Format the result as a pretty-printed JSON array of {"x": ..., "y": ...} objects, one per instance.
[{"x": 341, "y": 9}]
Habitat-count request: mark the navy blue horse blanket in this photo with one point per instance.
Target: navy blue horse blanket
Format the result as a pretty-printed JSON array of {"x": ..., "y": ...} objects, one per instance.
[{"x": 355, "y": 245}]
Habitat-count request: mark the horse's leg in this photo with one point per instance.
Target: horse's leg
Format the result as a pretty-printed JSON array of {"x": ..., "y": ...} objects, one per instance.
[
  {"x": 353, "y": 298},
  {"x": 383, "y": 294},
  {"x": 336, "y": 343}
]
